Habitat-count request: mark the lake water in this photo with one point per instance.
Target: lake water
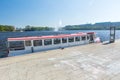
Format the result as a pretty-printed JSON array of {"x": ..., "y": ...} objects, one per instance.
[{"x": 103, "y": 34}]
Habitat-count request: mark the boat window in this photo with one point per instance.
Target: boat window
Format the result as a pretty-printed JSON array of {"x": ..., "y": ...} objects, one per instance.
[
  {"x": 77, "y": 38},
  {"x": 83, "y": 38},
  {"x": 71, "y": 39},
  {"x": 88, "y": 37},
  {"x": 16, "y": 45},
  {"x": 48, "y": 42},
  {"x": 64, "y": 40},
  {"x": 27, "y": 43},
  {"x": 37, "y": 42},
  {"x": 57, "y": 41}
]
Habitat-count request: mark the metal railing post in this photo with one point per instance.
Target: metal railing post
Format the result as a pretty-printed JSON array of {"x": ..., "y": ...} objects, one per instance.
[{"x": 112, "y": 34}]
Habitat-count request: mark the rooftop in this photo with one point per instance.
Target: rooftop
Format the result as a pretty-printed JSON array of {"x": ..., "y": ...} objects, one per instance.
[{"x": 51, "y": 36}]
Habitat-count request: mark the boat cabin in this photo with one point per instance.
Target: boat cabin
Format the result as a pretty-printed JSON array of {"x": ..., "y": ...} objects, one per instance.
[{"x": 25, "y": 45}]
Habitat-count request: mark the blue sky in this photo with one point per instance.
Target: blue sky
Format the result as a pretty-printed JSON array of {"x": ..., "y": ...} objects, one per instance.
[{"x": 53, "y": 12}]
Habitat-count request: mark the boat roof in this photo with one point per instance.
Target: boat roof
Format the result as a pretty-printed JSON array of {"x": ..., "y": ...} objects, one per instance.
[{"x": 49, "y": 37}]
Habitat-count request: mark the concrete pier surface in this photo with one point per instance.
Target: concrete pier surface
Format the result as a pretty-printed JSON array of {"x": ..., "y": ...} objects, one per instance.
[{"x": 87, "y": 62}]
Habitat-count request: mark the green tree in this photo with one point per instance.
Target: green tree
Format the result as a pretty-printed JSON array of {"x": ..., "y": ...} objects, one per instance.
[{"x": 6, "y": 28}]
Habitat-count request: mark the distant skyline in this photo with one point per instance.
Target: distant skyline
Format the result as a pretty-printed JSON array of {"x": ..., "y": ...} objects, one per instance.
[{"x": 55, "y": 13}]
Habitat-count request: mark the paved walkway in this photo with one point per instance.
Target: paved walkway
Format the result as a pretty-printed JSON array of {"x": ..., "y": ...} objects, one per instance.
[{"x": 87, "y": 62}]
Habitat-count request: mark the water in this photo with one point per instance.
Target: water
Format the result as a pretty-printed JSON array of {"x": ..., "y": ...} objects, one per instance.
[{"x": 103, "y": 34}]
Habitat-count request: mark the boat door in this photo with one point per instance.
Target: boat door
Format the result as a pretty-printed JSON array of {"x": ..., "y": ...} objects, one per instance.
[
  {"x": 28, "y": 46},
  {"x": 91, "y": 38}
]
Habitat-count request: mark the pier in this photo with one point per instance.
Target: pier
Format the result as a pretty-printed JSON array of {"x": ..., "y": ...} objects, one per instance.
[{"x": 87, "y": 62}]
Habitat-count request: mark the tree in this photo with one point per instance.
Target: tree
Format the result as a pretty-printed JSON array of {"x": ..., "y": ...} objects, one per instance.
[
  {"x": 7, "y": 28},
  {"x": 33, "y": 28}
]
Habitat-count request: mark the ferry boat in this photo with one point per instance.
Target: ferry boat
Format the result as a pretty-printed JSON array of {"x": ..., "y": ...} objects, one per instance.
[{"x": 25, "y": 45}]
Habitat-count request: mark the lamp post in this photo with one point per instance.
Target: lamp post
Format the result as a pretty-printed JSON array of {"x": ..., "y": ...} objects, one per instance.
[{"x": 112, "y": 34}]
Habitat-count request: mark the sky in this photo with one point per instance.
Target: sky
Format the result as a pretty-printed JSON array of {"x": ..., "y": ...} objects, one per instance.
[{"x": 58, "y": 12}]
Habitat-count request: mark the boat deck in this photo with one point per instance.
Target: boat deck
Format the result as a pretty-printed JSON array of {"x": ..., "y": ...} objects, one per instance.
[{"x": 87, "y": 62}]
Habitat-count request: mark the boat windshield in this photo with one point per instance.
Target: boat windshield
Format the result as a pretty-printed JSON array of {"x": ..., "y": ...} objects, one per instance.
[
  {"x": 48, "y": 42},
  {"x": 16, "y": 45},
  {"x": 57, "y": 41},
  {"x": 83, "y": 38},
  {"x": 37, "y": 42},
  {"x": 28, "y": 43},
  {"x": 77, "y": 38},
  {"x": 64, "y": 40},
  {"x": 71, "y": 39}
]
